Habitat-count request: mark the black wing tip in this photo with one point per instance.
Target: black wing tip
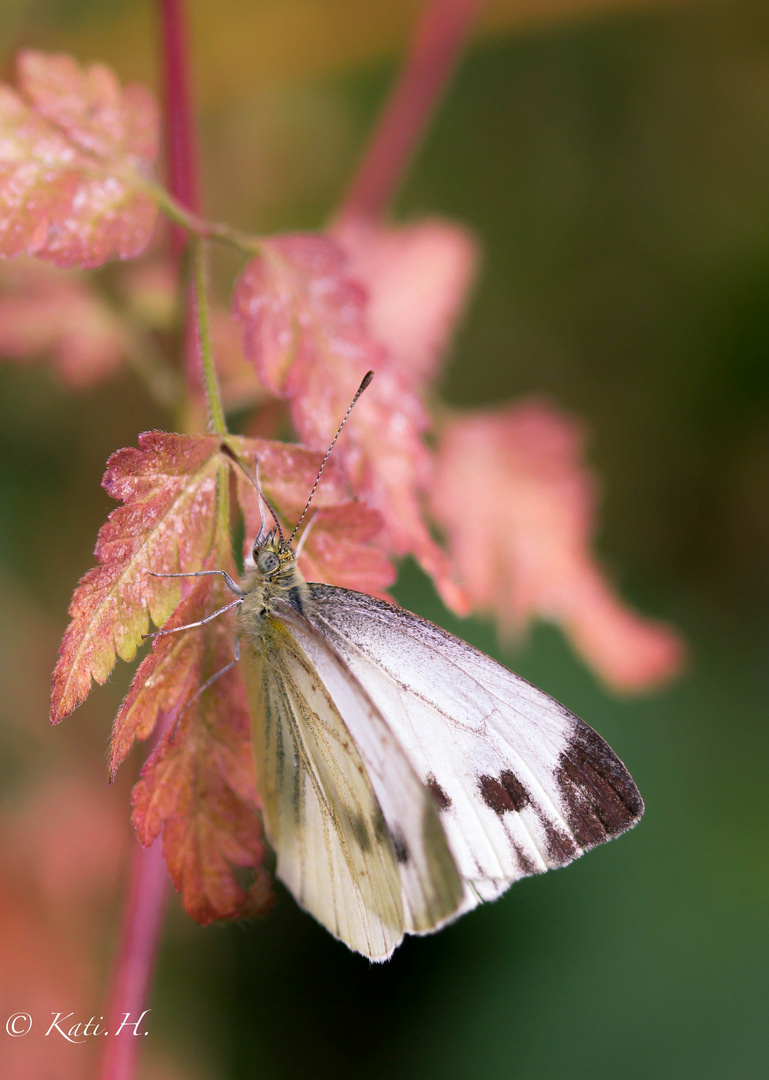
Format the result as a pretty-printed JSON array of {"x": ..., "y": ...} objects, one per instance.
[{"x": 601, "y": 798}]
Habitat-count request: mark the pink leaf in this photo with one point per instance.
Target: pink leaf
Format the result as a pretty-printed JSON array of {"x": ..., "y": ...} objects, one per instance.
[
  {"x": 73, "y": 150},
  {"x": 518, "y": 508},
  {"x": 419, "y": 278},
  {"x": 287, "y": 473},
  {"x": 340, "y": 550},
  {"x": 62, "y": 846}
]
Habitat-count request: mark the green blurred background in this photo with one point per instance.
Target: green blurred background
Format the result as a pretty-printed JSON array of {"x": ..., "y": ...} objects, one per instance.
[{"x": 614, "y": 162}]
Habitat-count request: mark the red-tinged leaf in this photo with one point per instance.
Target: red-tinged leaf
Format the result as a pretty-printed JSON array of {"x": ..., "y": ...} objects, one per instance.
[
  {"x": 304, "y": 326},
  {"x": 418, "y": 278},
  {"x": 198, "y": 786},
  {"x": 90, "y": 106},
  {"x": 49, "y": 312},
  {"x": 73, "y": 150},
  {"x": 167, "y": 677},
  {"x": 170, "y": 486},
  {"x": 340, "y": 547},
  {"x": 340, "y": 550},
  {"x": 518, "y": 507},
  {"x": 286, "y": 473}
]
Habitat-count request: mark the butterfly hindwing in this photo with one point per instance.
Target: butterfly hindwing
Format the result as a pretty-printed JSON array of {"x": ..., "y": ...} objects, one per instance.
[
  {"x": 366, "y": 855},
  {"x": 521, "y": 784}
]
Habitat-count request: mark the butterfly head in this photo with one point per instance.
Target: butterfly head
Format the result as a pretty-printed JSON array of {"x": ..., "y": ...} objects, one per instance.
[
  {"x": 272, "y": 556},
  {"x": 275, "y": 572}
]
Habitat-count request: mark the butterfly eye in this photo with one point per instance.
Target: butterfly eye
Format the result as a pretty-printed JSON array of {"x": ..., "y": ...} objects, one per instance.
[{"x": 267, "y": 562}]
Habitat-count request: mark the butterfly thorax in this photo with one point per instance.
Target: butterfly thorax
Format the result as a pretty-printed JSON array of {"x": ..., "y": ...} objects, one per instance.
[{"x": 275, "y": 575}]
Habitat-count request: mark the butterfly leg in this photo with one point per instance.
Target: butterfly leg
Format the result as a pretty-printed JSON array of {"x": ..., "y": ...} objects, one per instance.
[
  {"x": 200, "y": 622},
  {"x": 231, "y": 585},
  {"x": 205, "y": 686}
]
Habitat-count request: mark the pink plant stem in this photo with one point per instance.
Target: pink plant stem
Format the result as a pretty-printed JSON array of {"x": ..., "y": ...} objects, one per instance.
[
  {"x": 139, "y": 937},
  {"x": 182, "y": 157},
  {"x": 181, "y": 148},
  {"x": 435, "y": 48}
]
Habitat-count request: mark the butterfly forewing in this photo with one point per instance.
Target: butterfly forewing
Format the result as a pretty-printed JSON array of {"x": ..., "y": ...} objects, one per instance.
[
  {"x": 432, "y": 888},
  {"x": 366, "y": 855},
  {"x": 521, "y": 783}
]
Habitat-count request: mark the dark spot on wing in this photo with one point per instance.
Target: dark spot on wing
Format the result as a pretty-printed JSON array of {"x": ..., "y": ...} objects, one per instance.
[
  {"x": 599, "y": 794},
  {"x": 504, "y": 794},
  {"x": 361, "y": 832},
  {"x": 401, "y": 848},
  {"x": 515, "y": 789},
  {"x": 385, "y": 835},
  {"x": 442, "y": 801},
  {"x": 507, "y": 794},
  {"x": 494, "y": 795},
  {"x": 381, "y": 832}
]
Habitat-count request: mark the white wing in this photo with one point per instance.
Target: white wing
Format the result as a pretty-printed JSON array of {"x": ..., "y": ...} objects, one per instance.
[
  {"x": 358, "y": 839},
  {"x": 522, "y": 784}
]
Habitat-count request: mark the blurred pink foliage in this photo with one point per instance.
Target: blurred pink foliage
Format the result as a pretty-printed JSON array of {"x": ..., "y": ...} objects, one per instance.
[
  {"x": 418, "y": 278},
  {"x": 61, "y": 852},
  {"x": 518, "y": 507},
  {"x": 45, "y": 312}
]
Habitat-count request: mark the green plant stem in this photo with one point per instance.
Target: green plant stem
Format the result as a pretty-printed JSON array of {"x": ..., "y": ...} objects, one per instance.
[
  {"x": 198, "y": 226},
  {"x": 213, "y": 397}
]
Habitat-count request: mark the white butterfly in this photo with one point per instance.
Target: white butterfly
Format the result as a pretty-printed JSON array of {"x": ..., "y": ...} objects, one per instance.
[{"x": 404, "y": 776}]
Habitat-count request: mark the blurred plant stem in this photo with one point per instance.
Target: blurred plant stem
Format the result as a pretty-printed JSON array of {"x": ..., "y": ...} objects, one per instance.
[
  {"x": 181, "y": 142},
  {"x": 438, "y": 40},
  {"x": 135, "y": 962},
  {"x": 183, "y": 175}
]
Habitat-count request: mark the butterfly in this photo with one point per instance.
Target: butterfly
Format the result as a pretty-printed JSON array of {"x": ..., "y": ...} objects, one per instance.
[{"x": 405, "y": 777}]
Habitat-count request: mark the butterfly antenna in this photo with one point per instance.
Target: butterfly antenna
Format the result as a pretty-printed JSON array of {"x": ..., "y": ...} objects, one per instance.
[
  {"x": 263, "y": 500},
  {"x": 366, "y": 382}
]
